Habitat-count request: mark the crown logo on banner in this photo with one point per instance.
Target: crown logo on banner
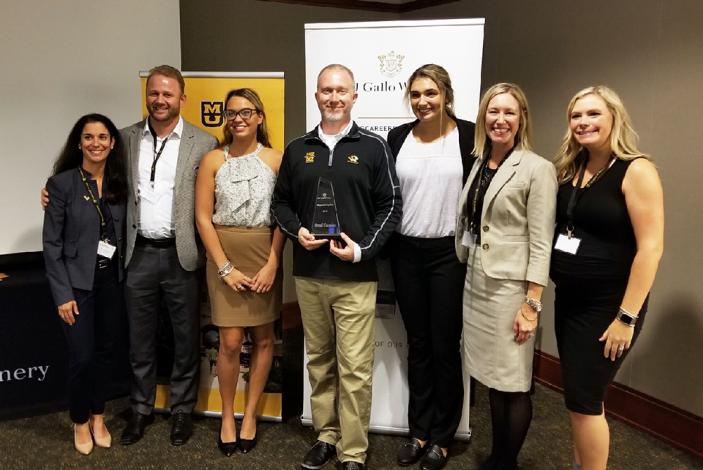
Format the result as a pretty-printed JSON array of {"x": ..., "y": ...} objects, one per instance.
[{"x": 390, "y": 64}]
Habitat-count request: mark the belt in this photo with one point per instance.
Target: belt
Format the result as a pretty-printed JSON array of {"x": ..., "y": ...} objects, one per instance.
[{"x": 156, "y": 242}]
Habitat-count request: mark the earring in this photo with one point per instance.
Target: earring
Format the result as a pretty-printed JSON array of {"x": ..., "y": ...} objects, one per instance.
[{"x": 79, "y": 147}]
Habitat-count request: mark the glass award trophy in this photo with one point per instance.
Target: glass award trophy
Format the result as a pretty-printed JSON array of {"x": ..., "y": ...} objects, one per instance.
[{"x": 325, "y": 223}]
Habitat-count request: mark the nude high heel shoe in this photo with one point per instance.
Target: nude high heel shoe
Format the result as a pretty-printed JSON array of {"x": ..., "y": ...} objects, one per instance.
[
  {"x": 83, "y": 448},
  {"x": 105, "y": 441}
]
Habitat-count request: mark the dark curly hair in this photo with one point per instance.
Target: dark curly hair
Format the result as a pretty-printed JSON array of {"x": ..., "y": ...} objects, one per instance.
[{"x": 115, "y": 169}]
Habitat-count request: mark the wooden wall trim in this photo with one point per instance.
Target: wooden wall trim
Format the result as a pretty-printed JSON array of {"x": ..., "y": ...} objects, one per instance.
[
  {"x": 675, "y": 426},
  {"x": 371, "y": 6}
]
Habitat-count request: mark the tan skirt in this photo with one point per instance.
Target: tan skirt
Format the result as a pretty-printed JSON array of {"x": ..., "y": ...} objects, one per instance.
[
  {"x": 248, "y": 249},
  {"x": 492, "y": 356}
]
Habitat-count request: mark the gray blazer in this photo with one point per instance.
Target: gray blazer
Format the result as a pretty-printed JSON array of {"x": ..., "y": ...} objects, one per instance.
[
  {"x": 70, "y": 236},
  {"x": 517, "y": 221},
  {"x": 194, "y": 144}
]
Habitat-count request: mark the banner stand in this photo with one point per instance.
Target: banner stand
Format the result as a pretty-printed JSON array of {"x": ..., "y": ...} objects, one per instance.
[
  {"x": 205, "y": 92},
  {"x": 382, "y": 55}
]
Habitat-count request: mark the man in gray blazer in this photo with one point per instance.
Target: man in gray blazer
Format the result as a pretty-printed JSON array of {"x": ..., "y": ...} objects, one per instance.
[{"x": 163, "y": 252}]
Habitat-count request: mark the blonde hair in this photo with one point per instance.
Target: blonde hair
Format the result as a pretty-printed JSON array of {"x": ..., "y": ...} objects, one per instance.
[
  {"x": 623, "y": 138},
  {"x": 338, "y": 67},
  {"x": 523, "y": 136}
]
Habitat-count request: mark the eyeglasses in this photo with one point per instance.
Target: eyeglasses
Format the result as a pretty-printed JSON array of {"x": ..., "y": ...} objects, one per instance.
[{"x": 245, "y": 113}]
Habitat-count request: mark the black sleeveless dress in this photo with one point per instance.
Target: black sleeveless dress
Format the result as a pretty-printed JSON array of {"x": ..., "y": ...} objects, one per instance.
[{"x": 590, "y": 286}]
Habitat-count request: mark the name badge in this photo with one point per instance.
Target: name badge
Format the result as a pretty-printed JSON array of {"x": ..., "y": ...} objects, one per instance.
[
  {"x": 566, "y": 244},
  {"x": 106, "y": 249},
  {"x": 468, "y": 240}
]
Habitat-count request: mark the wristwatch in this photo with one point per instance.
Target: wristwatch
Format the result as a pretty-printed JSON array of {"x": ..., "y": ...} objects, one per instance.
[{"x": 626, "y": 317}]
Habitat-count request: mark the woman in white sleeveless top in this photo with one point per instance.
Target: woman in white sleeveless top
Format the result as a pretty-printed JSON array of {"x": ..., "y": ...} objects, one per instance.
[{"x": 233, "y": 197}]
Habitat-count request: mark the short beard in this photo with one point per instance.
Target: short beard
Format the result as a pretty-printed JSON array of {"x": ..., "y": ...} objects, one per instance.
[
  {"x": 331, "y": 116},
  {"x": 171, "y": 114}
]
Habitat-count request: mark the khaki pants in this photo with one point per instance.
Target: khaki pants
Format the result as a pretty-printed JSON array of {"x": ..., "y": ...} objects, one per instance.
[{"x": 338, "y": 321}]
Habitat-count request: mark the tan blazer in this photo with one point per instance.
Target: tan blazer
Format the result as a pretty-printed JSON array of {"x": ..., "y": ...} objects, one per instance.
[{"x": 517, "y": 220}]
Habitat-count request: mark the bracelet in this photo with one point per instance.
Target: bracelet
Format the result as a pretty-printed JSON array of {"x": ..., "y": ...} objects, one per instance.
[
  {"x": 534, "y": 304},
  {"x": 225, "y": 269},
  {"x": 626, "y": 317},
  {"x": 526, "y": 318}
]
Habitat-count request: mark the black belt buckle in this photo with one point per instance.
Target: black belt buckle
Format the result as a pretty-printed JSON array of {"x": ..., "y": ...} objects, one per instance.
[{"x": 103, "y": 263}]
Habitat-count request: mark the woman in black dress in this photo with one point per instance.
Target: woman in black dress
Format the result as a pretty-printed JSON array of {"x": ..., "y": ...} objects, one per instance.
[
  {"x": 82, "y": 241},
  {"x": 608, "y": 243},
  {"x": 433, "y": 158}
]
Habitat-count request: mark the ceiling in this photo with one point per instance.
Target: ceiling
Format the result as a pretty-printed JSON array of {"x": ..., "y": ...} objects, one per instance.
[{"x": 397, "y": 6}]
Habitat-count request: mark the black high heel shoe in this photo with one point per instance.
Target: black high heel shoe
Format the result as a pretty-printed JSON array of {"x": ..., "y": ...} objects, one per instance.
[
  {"x": 246, "y": 445},
  {"x": 227, "y": 448}
]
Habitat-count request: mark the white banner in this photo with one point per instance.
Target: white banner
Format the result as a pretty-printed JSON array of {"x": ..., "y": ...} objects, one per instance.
[{"x": 382, "y": 56}]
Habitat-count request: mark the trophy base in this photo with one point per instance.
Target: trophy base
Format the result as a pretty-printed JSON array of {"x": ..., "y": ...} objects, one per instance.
[{"x": 327, "y": 236}]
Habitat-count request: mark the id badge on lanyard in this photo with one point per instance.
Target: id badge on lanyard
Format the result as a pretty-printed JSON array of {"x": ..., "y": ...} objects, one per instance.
[
  {"x": 106, "y": 249},
  {"x": 566, "y": 242}
]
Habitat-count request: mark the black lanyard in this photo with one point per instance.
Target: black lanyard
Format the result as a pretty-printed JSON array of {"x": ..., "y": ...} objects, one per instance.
[
  {"x": 93, "y": 200},
  {"x": 480, "y": 175},
  {"x": 157, "y": 155},
  {"x": 575, "y": 190}
]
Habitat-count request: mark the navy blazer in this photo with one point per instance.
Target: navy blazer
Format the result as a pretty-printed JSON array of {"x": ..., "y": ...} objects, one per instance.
[
  {"x": 71, "y": 234},
  {"x": 397, "y": 136}
]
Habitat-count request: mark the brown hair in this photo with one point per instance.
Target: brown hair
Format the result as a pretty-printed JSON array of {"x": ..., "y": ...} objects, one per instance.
[
  {"x": 168, "y": 71},
  {"x": 262, "y": 134},
  {"x": 440, "y": 76}
]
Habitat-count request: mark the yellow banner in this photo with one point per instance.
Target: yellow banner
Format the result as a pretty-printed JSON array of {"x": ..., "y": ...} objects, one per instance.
[{"x": 205, "y": 94}]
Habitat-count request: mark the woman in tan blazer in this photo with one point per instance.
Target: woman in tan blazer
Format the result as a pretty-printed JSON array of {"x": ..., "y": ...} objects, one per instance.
[{"x": 505, "y": 224}]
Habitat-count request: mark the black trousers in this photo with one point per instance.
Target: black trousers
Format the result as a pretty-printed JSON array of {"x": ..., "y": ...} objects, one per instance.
[
  {"x": 91, "y": 342},
  {"x": 429, "y": 283},
  {"x": 154, "y": 275}
]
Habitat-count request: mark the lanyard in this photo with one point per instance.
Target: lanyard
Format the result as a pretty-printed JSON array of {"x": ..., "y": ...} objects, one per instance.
[
  {"x": 575, "y": 190},
  {"x": 157, "y": 155},
  {"x": 474, "y": 201},
  {"x": 483, "y": 180},
  {"x": 93, "y": 200}
]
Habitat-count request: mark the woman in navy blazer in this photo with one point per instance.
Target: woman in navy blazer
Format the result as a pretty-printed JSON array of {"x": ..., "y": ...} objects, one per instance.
[{"x": 82, "y": 239}]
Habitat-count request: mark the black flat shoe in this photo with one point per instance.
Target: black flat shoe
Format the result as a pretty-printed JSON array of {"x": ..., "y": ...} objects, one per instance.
[
  {"x": 246, "y": 445},
  {"x": 410, "y": 452},
  {"x": 227, "y": 448},
  {"x": 434, "y": 459},
  {"x": 491, "y": 463}
]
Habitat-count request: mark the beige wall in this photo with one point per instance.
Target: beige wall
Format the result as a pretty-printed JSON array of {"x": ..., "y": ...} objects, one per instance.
[
  {"x": 61, "y": 60},
  {"x": 651, "y": 52}
]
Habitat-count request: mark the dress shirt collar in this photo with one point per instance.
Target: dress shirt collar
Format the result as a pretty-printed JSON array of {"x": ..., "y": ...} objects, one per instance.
[{"x": 177, "y": 131}]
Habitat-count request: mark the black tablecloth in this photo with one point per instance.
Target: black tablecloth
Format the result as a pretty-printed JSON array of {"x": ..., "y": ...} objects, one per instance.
[{"x": 33, "y": 351}]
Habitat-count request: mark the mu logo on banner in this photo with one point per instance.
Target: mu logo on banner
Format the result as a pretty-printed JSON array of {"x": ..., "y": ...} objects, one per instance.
[{"x": 211, "y": 113}]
